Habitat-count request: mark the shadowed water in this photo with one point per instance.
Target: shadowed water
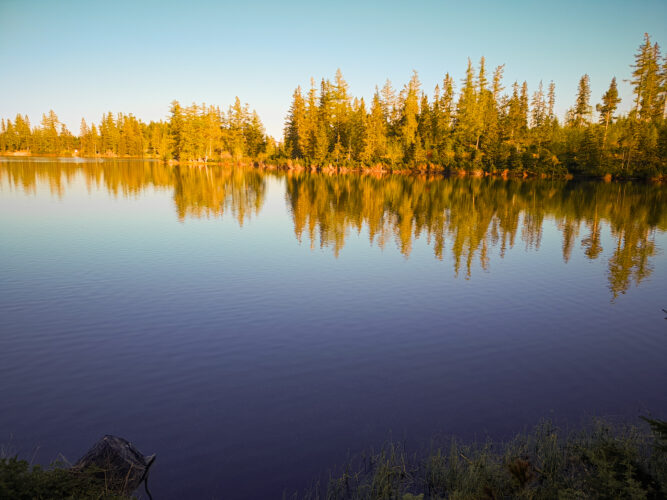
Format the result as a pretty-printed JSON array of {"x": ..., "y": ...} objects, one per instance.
[{"x": 252, "y": 327}]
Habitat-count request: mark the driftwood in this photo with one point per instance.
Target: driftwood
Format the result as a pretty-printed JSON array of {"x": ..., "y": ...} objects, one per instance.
[{"x": 117, "y": 462}]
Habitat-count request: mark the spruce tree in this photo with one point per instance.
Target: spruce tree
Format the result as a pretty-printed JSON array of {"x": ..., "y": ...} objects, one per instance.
[
  {"x": 175, "y": 129},
  {"x": 646, "y": 81},
  {"x": 466, "y": 111},
  {"x": 295, "y": 139},
  {"x": 610, "y": 101},
  {"x": 582, "y": 108},
  {"x": 376, "y": 132},
  {"x": 409, "y": 116}
]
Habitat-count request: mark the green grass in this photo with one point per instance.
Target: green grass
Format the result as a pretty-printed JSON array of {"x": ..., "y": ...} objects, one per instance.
[
  {"x": 21, "y": 481},
  {"x": 603, "y": 461}
]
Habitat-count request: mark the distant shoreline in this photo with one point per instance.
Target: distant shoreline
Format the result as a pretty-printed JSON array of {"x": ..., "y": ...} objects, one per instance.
[{"x": 378, "y": 169}]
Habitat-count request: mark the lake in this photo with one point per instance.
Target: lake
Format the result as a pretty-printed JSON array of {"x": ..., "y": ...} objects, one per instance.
[{"x": 254, "y": 327}]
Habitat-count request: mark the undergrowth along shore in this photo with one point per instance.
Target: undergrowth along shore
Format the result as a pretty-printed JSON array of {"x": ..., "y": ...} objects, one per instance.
[
  {"x": 603, "y": 460},
  {"x": 19, "y": 480}
]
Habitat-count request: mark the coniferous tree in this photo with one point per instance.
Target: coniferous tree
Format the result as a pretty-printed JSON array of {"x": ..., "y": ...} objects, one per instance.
[
  {"x": 409, "y": 117},
  {"x": 551, "y": 99},
  {"x": 358, "y": 129},
  {"x": 10, "y": 136},
  {"x": 539, "y": 120},
  {"x": 237, "y": 118},
  {"x": 295, "y": 138},
  {"x": 3, "y": 135},
  {"x": 610, "y": 101},
  {"x": 51, "y": 139},
  {"x": 87, "y": 146},
  {"x": 341, "y": 108},
  {"x": 647, "y": 82},
  {"x": 255, "y": 137},
  {"x": 582, "y": 108},
  {"x": 466, "y": 121},
  {"x": 389, "y": 105},
  {"x": 444, "y": 119},
  {"x": 480, "y": 127},
  {"x": 176, "y": 129},
  {"x": 376, "y": 132},
  {"x": 311, "y": 125},
  {"x": 109, "y": 135},
  {"x": 23, "y": 133}
]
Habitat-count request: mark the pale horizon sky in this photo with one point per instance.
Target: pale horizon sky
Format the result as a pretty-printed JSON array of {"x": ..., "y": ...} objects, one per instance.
[{"x": 82, "y": 59}]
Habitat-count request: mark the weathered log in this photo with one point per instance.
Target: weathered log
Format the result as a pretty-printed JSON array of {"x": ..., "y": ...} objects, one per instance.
[{"x": 117, "y": 462}]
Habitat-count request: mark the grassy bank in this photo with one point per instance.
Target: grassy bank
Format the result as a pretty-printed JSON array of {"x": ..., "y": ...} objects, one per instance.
[
  {"x": 20, "y": 480},
  {"x": 602, "y": 461}
]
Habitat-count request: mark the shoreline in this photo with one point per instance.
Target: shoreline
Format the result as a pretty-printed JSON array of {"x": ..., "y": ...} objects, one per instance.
[
  {"x": 330, "y": 169},
  {"x": 599, "y": 458}
]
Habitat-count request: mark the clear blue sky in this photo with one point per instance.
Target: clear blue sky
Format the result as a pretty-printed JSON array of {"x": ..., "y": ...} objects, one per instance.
[{"x": 83, "y": 58}]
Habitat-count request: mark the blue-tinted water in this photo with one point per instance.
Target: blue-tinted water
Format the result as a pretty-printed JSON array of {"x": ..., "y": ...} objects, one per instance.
[{"x": 252, "y": 328}]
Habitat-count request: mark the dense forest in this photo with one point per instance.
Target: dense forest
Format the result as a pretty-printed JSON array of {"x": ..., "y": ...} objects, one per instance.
[{"x": 482, "y": 128}]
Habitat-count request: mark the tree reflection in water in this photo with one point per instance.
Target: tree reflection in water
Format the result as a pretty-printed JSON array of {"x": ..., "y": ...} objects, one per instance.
[{"x": 471, "y": 214}]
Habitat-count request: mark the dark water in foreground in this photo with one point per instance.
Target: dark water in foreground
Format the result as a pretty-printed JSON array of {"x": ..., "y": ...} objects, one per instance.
[{"x": 252, "y": 327}]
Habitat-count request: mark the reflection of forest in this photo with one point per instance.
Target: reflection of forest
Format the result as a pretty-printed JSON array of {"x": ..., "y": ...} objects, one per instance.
[
  {"x": 470, "y": 214},
  {"x": 198, "y": 192},
  {"x": 474, "y": 214}
]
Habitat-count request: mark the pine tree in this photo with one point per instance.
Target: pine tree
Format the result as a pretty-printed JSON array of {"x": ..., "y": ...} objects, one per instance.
[
  {"x": 484, "y": 105},
  {"x": 342, "y": 104},
  {"x": 176, "y": 125},
  {"x": 663, "y": 97},
  {"x": 646, "y": 81},
  {"x": 50, "y": 130},
  {"x": 376, "y": 132},
  {"x": 358, "y": 129},
  {"x": 524, "y": 107},
  {"x": 10, "y": 138},
  {"x": 551, "y": 99},
  {"x": 65, "y": 139},
  {"x": 610, "y": 101},
  {"x": 539, "y": 118},
  {"x": 84, "y": 135},
  {"x": 466, "y": 111},
  {"x": 23, "y": 134},
  {"x": 255, "y": 137},
  {"x": 311, "y": 123},
  {"x": 212, "y": 130},
  {"x": 409, "y": 116},
  {"x": 445, "y": 119},
  {"x": 237, "y": 118},
  {"x": 295, "y": 137},
  {"x": 3, "y": 135},
  {"x": 492, "y": 115},
  {"x": 390, "y": 106},
  {"x": 582, "y": 108}
]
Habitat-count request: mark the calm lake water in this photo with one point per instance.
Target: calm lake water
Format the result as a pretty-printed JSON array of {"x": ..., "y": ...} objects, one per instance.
[{"x": 252, "y": 328}]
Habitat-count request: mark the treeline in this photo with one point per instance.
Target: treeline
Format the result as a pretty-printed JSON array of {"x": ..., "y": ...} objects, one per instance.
[
  {"x": 192, "y": 133},
  {"x": 485, "y": 128}
]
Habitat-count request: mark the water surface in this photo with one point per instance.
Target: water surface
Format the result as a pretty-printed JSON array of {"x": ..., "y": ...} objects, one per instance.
[{"x": 253, "y": 327}]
